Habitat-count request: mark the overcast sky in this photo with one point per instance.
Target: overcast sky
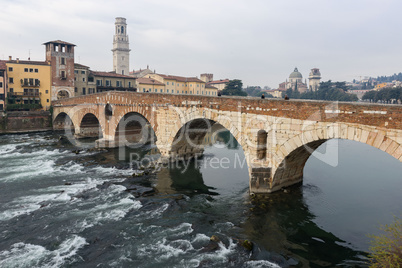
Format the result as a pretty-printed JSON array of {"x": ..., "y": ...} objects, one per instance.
[{"x": 257, "y": 41}]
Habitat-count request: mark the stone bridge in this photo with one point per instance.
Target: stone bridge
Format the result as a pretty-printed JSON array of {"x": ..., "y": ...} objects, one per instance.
[{"x": 277, "y": 136}]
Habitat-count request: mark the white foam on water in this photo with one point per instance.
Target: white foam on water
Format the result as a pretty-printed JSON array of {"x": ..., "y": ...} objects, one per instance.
[
  {"x": 27, "y": 170},
  {"x": 222, "y": 254},
  {"x": 28, "y": 255},
  {"x": 155, "y": 213},
  {"x": 261, "y": 264},
  {"x": 164, "y": 250},
  {"x": 49, "y": 196},
  {"x": 182, "y": 229},
  {"x": 200, "y": 238}
]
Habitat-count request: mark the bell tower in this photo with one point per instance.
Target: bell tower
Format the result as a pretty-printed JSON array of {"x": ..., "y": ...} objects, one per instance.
[{"x": 121, "y": 50}]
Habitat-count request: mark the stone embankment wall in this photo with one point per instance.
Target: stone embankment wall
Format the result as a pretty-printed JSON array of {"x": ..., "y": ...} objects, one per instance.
[{"x": 24, "y": 121}]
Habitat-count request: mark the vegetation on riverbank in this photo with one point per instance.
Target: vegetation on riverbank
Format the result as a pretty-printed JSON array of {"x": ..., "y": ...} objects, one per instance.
[{"x": 386, "y": 249}]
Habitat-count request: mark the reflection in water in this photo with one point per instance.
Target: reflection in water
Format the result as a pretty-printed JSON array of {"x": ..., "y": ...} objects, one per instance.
[{"x": 324, "y": 223}]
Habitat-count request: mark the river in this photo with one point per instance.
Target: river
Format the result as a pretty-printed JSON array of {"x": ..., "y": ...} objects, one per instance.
[{"x": 65, "y": 208}]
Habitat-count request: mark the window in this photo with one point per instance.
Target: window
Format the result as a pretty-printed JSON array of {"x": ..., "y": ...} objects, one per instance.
[
  {"x": 11, "y": 89},
  {"x": 150, "y": 90},
  {"x": 182, "y": 92},
  {"x": 167, "y": 90},
  {"x": 198, "y": 85},
  {"x": 191, "y": 85},
  {"x": 108, "y": 83},
  {"x": 11, "y": 80},
  {"x": 76, "y": 71},
  {"x": 63, "y": 61},
  {"x": 47, "y": 91},
  {"x": 98, "y": 83},
  {"x": 90, "y": 79},
  {"x": 63, "y": 74},
  {"x": 186, "y": 91},
  {"x": 172, "y": 83},
  {"x": 36, "y": 71},
  {"x": 10, "y": 69},
  {"x": 161, "y": 90},
  {"x": 63, "y": 49},
  {"x": 177, "y": 92},
  {"x": 83, "y": 91},
  {"x": 37, "y": 83},
  {"x": 1, "y": 84},
  {"x": 118, "y": 84},
  {"x": 26, "y": 70},
  {"x": 129, "y": 84},
  {"x": 82, "y": 72},
  {"x": 83, "y": 79},
  {"x": 75, "y": 90},
  {"x": 143, "y": 90},
  {"x": 202, "y": 92},
  {"x": 156, "y": 90},
  {"x": 47, "y": 100},
  {"x": 197, "y": 92},
  {"x": 167, "y": 83},
  {"x": 30, "y": 70}
]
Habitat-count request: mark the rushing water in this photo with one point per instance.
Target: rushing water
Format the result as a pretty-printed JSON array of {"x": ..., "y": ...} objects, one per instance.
[{"x": 63, "y": 209}]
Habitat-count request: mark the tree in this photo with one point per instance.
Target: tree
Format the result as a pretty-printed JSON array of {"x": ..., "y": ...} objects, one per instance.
[
  {"x": 234, "y": 88},
  {"x": 386, "y": 249}
]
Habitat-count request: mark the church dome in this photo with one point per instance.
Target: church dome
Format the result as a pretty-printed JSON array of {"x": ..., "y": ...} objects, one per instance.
[{"x": 295, "y": 74}]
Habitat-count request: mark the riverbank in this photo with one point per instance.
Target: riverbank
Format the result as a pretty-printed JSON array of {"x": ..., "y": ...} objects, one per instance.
[{"x": 25, "y": 122}]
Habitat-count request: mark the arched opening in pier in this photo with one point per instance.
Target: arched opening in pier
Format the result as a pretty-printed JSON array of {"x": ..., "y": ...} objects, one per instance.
[
  {"x": 63, "y": 94},
  {"x": 134, "y": 130},
  {"x": 63, "y": 122},
  {"x": 205, "y": 158},
  {"x": 90, "y": 127}
]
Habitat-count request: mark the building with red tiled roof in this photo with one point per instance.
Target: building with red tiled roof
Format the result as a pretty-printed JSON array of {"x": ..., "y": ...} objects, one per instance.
[
  {"x": 182, "y": 85},
  {"x": 219, "y": 84}
]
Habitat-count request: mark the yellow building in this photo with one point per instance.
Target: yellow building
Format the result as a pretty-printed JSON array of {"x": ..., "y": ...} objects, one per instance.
[
  {"x": 29, "y": 82},
  {"x": 380, "y": 86},
  {"x": 182, "y": 85},
  {"x": 149, "y": 85}
]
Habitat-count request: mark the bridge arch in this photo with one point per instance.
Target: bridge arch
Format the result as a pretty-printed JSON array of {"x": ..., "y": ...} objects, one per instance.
[
  {"x": 204, "y": 122},
  {"x": 291, "y": 157},
  {"x": 63, "y": 122},
  {"x": 134, "y": 129},
  {"x": 90, "y": 126}
]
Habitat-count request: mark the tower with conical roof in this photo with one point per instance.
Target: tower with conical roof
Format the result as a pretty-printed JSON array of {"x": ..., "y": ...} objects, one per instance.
[{"x": 121, "y": 50}]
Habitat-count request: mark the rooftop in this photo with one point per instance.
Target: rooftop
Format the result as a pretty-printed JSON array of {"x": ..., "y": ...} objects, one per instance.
[
  {"x": 219, "y": 81},
  {"x": 31, "y": 62},
  {"x": 149, "y": 81},
  {"x": 107, "y": 74},
  {"x": 181, "y": 78},
  {"x": 58, "y": 42}
]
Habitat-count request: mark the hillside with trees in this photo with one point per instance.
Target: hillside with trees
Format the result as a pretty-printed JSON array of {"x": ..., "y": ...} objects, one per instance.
[
  {"x": 331, "y": 91},
  {"x": 388, "y": 79},
  {"x": 385, "y": 95}
]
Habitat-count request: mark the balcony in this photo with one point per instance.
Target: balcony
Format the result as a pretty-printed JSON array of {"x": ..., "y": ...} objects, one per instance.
[
  {"x": 27, "y": 83},
  {"x": 34, "y": 95}
]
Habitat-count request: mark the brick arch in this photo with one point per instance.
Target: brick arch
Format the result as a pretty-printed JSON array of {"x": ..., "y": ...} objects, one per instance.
[
  {"x": 77, "y": 117},
  {"x": 62, "y": 120},
  {"x": 291, "y": 157}
]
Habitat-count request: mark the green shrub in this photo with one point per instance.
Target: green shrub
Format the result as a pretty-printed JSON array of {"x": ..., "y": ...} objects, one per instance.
[{"x": 386, "y": 249}]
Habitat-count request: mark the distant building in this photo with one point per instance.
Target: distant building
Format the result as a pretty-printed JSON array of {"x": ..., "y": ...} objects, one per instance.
[
  {"x": 183, "y": 85},
  {"x": 82, "y": 85},
  {"x": 141, "y": 72},
  {"x": 296, "y": 81},
  {"x": 60, "y": 54},
  {"x": 29, "y": 82},
  {"x": 145, "y": 84},
  {"x": 107, "y": 81},
  {"x": 314, "y": 79},
  {"x": 121, "y": 49},
  {"x": 219, "y": 84}
]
